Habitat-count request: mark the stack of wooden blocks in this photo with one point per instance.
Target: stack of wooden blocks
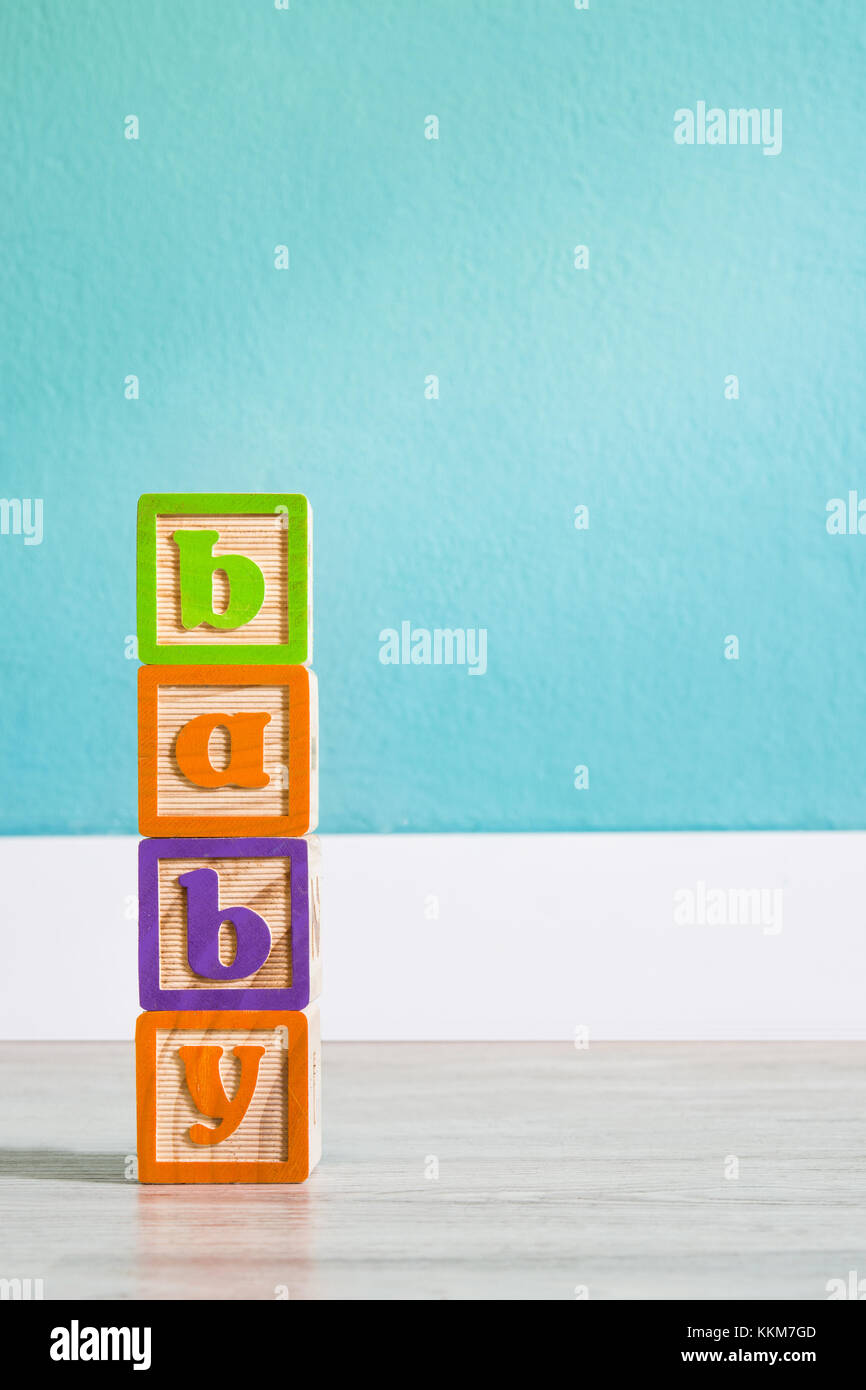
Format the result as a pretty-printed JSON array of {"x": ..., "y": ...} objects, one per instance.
[{"x": 228, "y": 1056}]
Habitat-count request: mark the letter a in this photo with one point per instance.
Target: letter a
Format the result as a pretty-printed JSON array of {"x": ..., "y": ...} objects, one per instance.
[
  {"x": 204, "y": 919},
  {"x": 198, "y": 565},
  {"x": 246, "y": 764},
  {"x": 208, "y": 1093}
]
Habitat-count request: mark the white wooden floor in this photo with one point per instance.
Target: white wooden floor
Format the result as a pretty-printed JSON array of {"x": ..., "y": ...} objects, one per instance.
[{"x": 558, "y": 1170}]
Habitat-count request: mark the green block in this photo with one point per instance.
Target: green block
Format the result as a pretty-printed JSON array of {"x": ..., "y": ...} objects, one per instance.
[{"x": 254, "y": 608}]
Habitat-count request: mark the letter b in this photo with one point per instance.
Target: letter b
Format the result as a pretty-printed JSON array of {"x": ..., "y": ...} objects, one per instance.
[
  {"x": 204, "y": 919},
  {"x": 198, "y": 565}
]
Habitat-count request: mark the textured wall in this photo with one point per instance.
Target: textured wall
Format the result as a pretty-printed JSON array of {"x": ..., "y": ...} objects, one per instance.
[{"x": 558, "y": 387}]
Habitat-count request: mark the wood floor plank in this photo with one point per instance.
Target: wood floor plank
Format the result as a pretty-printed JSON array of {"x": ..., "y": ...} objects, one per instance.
[{"x": 559, "y": 1170}]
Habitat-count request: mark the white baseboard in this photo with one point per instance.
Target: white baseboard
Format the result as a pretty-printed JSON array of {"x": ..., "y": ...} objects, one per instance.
[{"x": 487, "y": 937}]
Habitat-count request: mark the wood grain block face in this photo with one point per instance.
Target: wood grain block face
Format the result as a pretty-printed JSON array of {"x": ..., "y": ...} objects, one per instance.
[
  {"x": 224, "y": 578},
  {"x": 262, "y": 886},
  {"x": 229, "y": 924},
  {"x": 227, "y": 751},
  {"x": 262, "y": 539},
  {"x": 228, "y": 1097}
]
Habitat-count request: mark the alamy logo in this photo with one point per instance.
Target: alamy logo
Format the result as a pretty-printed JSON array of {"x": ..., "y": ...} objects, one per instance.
[
  {"x": 22, "y": 516},
  {"x": 444, "y": 646},
  {"x": 21, "y": 1290},
  {"x": 739, "y": 125},
  {"x": 729, "y": 907},
  {"x": 75, "y": 1343},
  {"x": 853, "y": 1287},
  {"x": 846, "y": 516}
]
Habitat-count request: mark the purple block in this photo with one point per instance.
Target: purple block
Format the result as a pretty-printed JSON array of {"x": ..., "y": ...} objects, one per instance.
[{"x": 266, "y": 890}]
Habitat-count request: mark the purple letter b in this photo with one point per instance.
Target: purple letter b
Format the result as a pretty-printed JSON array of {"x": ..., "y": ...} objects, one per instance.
[{"x": 204, "y": 919}]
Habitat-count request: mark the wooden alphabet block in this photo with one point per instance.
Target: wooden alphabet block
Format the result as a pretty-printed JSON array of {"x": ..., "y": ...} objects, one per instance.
[
  {"x": 227, "y": 751},
  {"x": 229, "y": 924},
  {"x": 228, "y": 1097},
  {"x": 224, "y": 578}
]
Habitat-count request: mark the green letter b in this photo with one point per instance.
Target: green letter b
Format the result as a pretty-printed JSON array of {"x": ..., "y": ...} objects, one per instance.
[{"x": 198, "y": 564}]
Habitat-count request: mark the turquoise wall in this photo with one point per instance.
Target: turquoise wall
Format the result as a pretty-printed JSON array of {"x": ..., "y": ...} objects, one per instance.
[{"x": 558, "y": 387}]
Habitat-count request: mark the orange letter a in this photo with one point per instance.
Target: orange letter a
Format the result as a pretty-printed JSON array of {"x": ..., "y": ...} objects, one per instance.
[
  {"x": 207, "y": 1090},
  {"x": 246, "y": 764}
]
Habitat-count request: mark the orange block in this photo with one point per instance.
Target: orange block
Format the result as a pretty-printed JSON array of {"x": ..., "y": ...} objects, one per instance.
[
  {"x": 228, "y": 1097},
  {"x": 227, "y": 750}
]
